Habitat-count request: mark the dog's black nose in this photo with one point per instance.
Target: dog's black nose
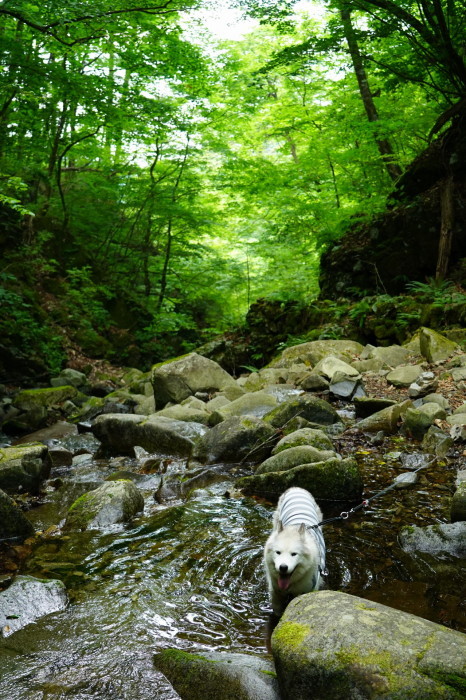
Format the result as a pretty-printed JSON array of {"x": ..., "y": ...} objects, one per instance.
[{"x": 283, "y": 568}]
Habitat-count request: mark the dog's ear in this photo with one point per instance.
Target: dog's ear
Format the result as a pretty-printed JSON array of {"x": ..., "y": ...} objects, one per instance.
[
  {"x": 302, "y": 529},
  {"x": 279, "y": 526}
]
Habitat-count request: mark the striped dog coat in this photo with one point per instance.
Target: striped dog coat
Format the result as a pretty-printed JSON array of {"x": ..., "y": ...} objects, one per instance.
[{"x": 297, "y": 506}]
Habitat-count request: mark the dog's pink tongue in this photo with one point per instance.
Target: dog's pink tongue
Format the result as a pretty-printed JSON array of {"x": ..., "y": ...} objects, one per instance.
[{"x": 283, "y": 582}]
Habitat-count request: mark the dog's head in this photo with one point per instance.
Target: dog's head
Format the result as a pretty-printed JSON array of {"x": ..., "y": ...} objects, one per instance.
[{"x": 289, "y": 553}]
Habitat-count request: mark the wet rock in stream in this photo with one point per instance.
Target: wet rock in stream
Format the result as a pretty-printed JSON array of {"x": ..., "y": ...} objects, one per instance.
[
  {"x": 344, "y": 646},
  {"x": 27, "y": 600},
  {"x": 14, "y": 525},
  {"x": 113, "y": 502},
  {"x": 24, "y": 467},
  {"x": 214, "y": 675}
]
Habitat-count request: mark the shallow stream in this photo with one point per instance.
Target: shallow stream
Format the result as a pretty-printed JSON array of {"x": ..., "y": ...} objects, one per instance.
[{"x": 189, "y": 575}]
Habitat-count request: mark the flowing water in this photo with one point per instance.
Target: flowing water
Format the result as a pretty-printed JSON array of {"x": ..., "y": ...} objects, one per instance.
[{"x": 189, "y": 575}]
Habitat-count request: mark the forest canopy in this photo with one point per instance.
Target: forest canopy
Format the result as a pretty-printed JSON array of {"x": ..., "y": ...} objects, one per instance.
[{"x": 156, "y": 179}]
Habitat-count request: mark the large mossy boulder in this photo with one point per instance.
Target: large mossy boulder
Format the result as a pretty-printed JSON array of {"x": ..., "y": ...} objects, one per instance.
[
  {"x": 332, "y": 646},
  {"x": 435, "y": 441},
  {"x": 27, "y": 600},
  {"x": 311, "y": 353},
  {"x": 293, "y": 457},
  {"x": 218, "y": 675},
  {"x": 416, "y": 422},
  {"x": 177, "y": 379},
  {"x": 236, "y": 439},
  {"x": 70, "y": 377},
  {"x": 35, "y": 406},
  {"x": 13, "y": 523},
  {"x": 113, "y": 502},
  {"x": 24, "y": 467},
  {"x": 434, "y": 346},
  {"x": 304, "y": 436},
  {"x": 308, "y": 407},
  {"x": 120, "y": 433},
  {"x": 334, "y": 480}
]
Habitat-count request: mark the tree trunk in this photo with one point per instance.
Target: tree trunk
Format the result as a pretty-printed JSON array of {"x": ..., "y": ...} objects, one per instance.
[
  {"x": 447, "y": 214},
  {"x": 163, "y": 281},
  {"x": 383, "y": 145}
]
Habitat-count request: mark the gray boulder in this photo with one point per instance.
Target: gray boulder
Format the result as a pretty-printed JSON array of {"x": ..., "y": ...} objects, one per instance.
[
  {"x": 218, "y": 675},
  {"x": 308, "y": 407},
  {"x": 434, "y": 346},
  {"x": 391, "y": 356},
  {"x": 439, "y": 399},
  {"x": 236, "y": 439},
  {"x": 34, "y": 405},
  {"x": 437, "y": 442},
  {"x": 27, "y": 600},
  {"x": 24, "y": 467},
  {"x": 70, "y": 377},
  {"x": 120, "y": 433},
  {"x": 385, "y": 420},
  {"x": 346, "y": 387},
  {"x": 311, "y": 353},
  {"x": 113, "y": 502},
  {"x": 343, "y": 647},
  {"x": 334, "y": 480},
  {"x": 186, "y": 413},
  {"x": 330, "y": 365},
  {"x": 304, "y": 436},
  {"x": 433, "y": 410},
  {"x": 425, "y": 384},
  {"x": 293, "y": 457},
  {"x": 312, "y": 381},
  {"x": 13, "y": 523},
  {"x": 458, "y": 374},
  {"x": 416, "y": 423},
  {"x": 257, "y": 403},
  {"x": 266, "y": 376},
  {"x": 404, "y": 375},
  {"x": 442, "y": 538},
  {"x": 457, "y": 419},
  {"x": 177, "y": 379},
  {"x": 371, "y": 365}
]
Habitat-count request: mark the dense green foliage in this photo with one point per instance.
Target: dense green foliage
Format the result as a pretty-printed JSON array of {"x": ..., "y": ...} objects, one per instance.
[{"x": 154, "y": 182}]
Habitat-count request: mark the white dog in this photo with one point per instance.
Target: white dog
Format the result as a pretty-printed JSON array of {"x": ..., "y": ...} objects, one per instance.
[{"x": 294, "y": 555}]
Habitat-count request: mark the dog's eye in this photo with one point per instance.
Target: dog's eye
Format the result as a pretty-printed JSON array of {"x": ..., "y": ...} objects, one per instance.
[
  {"x": 293, "y": 554},
  {"x": 276, "y": 552}
]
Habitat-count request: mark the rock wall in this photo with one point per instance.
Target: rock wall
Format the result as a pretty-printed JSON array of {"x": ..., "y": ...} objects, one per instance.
[{"x": 400, "y": 245}]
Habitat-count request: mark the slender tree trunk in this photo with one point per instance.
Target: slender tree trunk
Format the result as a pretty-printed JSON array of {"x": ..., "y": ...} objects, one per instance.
[
  {"x": 56, "y": 139},
  {"x": 166, "y": 263},
  {"x": 334, "y": 181},
  {"x": 119, "y": 129},
  {"x": 447, "y": 214},
  {"x": 164, "y": 278},
  {"x": 383, "y": 145}
]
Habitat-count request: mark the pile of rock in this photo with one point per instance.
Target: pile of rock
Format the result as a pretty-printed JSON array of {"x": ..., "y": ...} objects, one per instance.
[{"x": 276, "y": 428}]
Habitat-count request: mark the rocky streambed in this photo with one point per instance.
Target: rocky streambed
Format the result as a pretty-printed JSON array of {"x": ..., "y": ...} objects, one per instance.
[{"x": 133, "y": 524}]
